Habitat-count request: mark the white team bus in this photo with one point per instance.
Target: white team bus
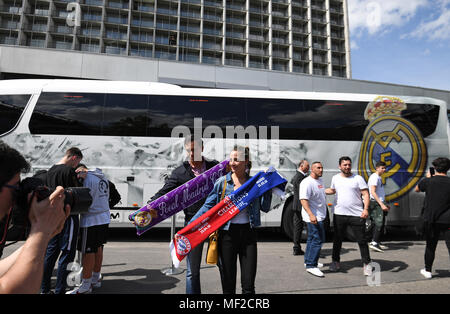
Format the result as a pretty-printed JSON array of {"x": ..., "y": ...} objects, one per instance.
[{"x": 126, "y": 129}]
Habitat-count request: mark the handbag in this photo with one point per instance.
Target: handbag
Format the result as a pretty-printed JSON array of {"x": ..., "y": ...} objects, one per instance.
[{"x": 212, "y": 254}]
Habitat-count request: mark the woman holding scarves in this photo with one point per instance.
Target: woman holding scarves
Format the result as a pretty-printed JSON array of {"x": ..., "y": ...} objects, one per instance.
[{"x": 237, "y": 237}]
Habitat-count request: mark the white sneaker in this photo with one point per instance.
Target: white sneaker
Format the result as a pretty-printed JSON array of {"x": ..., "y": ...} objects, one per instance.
[
  {"x": 80, "y": 290},
  {"x": 426, "y": 274},
  {"x": 98, "y": 283},
  {"x": 315, "y": 271},
  {"x": 367, "y": 270},
  {"x": 319, "y": 265}
]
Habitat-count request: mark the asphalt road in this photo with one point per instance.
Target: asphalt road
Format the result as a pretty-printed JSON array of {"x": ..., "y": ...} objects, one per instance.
[{"x": 133, "y": 265}]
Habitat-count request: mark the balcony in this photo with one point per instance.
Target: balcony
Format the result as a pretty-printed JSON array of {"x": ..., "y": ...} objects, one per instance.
[
  {"x": 143, "y": 7},
  {"x": 10, "y": 9},
  {"x": 191, "y": 1},
  {"x": 211, "y": 60},
  {"x": 235, "y": 20},
  {"x": 258, "y": 65},
  {"x": 115, "y": 50},
  {"x": 97, "y": 3},
  {"x": 118, "y": 4},
  {"x": 142, "y": 37},
  {"x": 141, "y": 52},
  {"x": 257, "y": 51},
  {"x": 61, "y": 29},
  {"x": 8, "y": 40},
  {"x": 10, "y": 24},
  {"x": 90, "y": 47},
  {"x": 114, "y": 34},
  {"x": 211, "y": 3}
]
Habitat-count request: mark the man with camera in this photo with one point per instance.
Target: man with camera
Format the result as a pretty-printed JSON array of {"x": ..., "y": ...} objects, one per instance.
[
  {"x": 63, "y": 245},
  {"x": 21, "y": 272}
]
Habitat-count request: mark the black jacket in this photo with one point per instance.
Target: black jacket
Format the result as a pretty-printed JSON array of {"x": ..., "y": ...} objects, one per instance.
[
  {"x": 296, "y": 180},
  {"x": 179, "y": 176}
]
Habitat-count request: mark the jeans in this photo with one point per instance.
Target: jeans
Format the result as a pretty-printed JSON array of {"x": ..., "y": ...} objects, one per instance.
[
  {"x": 316, "y": 237},
  {"x": 64, "y": 243},
  {"x": 432, "y": 232},
  {"x": 238, "y": 240},
  {"x": 358, "y": 225},
  {"x": 193, "y": 262}
]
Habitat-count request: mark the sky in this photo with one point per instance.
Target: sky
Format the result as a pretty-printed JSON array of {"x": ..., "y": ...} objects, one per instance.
[{"x": 401, "y": 41}]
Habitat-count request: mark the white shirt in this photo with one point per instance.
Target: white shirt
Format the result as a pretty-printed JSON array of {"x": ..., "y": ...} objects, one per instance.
[
  {"x": 313, "y": 190},
  {"x": 348, "y": 200},
  {"x": 375, "y": 180}
]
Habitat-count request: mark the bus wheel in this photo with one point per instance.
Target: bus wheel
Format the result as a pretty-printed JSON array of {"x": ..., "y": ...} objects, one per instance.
[{"x": 287, "y": 222}]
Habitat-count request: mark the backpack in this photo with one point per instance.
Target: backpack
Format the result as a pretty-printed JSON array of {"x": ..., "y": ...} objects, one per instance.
[{"x": 114, "y": 196}]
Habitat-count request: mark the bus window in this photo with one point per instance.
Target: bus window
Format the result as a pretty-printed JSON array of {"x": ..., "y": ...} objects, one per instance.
[
  {"x": 310, "y": 119},
  {"x": 126, "y": 115},
  {"x": 157, "y": 115},
  {"x": 68, "y": 114},
  {"x": 11, "y": 108},
  {"x": 425, "y": 117},
  {"x": 166, "y": 112}
]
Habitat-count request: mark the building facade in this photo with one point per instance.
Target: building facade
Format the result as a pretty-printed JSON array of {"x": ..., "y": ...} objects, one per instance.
[{"x": 298, "y": 36}]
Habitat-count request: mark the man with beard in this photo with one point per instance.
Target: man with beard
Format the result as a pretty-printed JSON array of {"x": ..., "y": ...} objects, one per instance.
[{"x": 350, "y": 210}]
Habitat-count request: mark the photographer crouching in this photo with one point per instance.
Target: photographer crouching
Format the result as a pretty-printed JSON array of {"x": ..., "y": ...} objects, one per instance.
[{"x": 21, "y": 272}]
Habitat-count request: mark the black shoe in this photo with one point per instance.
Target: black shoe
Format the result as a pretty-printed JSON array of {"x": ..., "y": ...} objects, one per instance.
[{"x": 297, "y": 252}]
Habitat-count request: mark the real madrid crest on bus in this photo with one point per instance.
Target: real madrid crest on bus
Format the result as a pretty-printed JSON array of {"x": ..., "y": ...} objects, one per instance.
[{"x": 395, "y": 140}]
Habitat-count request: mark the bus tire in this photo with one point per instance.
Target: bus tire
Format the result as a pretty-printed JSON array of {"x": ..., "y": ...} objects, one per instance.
[{"x": 287, "y": 221}]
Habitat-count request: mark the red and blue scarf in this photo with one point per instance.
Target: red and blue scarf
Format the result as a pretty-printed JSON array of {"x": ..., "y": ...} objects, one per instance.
[{"x": 197, "y": 231}]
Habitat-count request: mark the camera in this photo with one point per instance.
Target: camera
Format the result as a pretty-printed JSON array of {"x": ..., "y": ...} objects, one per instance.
[{"x": 78, "y": 198}]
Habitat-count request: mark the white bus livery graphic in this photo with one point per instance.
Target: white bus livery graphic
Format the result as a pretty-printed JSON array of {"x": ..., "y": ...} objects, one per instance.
[{"x": 125, "y": 128}]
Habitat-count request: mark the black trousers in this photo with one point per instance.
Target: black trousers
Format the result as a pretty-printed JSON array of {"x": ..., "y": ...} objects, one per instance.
[
  {"x": 432, "y": 233},
  {"x": 298, "y": 229},
  {"x": 239, "y": 240},
  {"x": 358, "y": 225}
]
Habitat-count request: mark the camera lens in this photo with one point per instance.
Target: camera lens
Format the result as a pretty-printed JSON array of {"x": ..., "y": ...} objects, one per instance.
[{"x": 79, "y": 200}]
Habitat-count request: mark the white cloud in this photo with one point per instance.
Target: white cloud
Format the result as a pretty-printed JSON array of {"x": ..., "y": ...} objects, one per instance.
[
  {"x": 378, "y": 16},
  {"x": 426, "y": 52},
  {"x": 354, "y": 45},
  {"x": 437, "y": 28}
]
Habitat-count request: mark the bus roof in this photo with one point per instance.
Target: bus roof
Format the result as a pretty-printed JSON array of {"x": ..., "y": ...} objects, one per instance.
[{"x": 32, "y": 86}]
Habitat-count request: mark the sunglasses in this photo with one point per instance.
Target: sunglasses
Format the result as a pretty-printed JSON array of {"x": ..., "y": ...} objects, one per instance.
[
  {"x": 12, "y": 187},
  {"x": 15, "y": 189}
]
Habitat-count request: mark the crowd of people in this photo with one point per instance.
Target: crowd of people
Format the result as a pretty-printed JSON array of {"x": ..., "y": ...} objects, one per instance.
[
  {"x": 54, "y": 232},
  {"x": 358, "y": 204}
]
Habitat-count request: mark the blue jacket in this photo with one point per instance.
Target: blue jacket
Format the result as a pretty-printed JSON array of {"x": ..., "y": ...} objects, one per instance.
[{"x": 253, "y": 210}]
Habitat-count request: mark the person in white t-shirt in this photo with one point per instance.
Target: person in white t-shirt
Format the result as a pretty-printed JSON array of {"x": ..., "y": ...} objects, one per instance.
[
  {"x": 314, "y": 211},
  {"x": 351, "y": 209},
  {"x": 377, "y": 209}
]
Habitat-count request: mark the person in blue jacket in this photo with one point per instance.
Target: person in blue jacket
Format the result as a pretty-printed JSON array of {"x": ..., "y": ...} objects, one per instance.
[{"x": 237, "y": 238}]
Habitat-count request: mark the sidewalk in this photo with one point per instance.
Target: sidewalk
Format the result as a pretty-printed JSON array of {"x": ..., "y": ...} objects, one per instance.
[{"x": 135, "y": 267}]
